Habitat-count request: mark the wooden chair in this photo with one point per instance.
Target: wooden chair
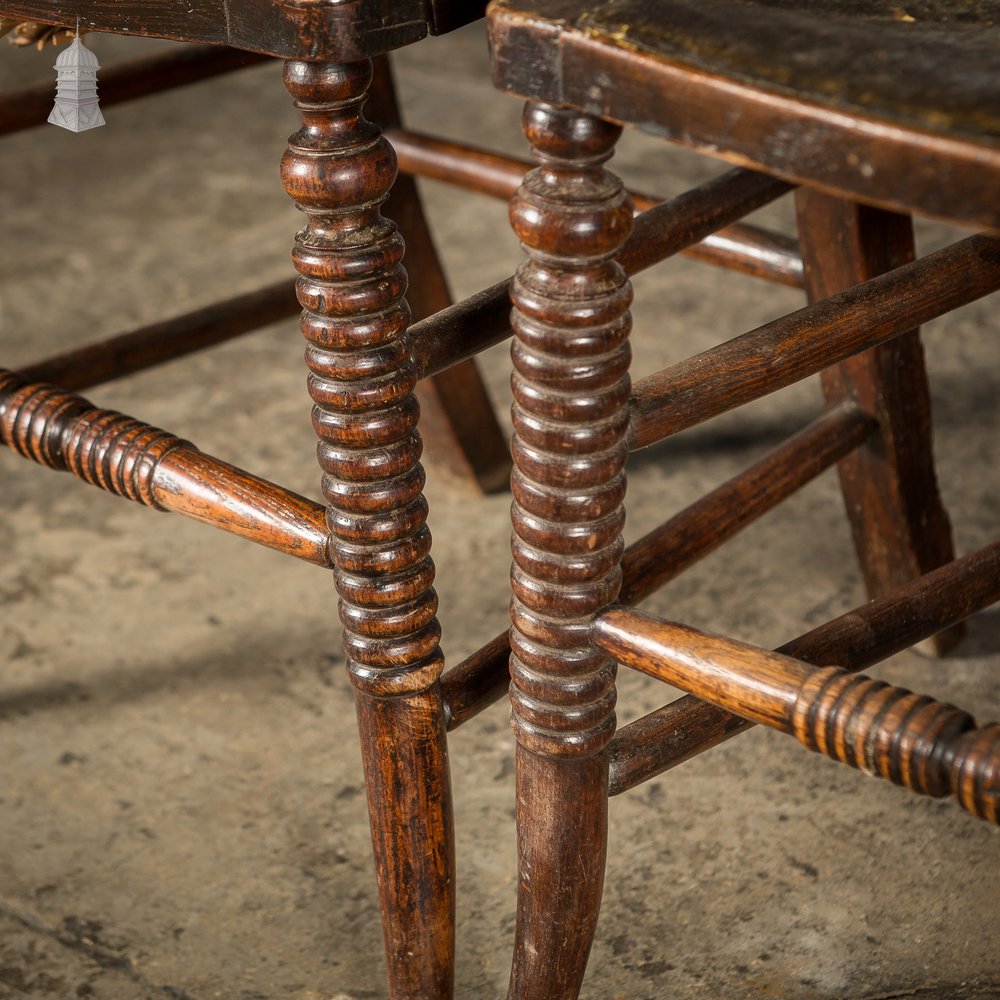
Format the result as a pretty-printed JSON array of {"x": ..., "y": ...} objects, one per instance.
[
  {"x": 365, "y": 360},
  {"x": 874, "y": 115},
  {"x": 340, "y": 171}
]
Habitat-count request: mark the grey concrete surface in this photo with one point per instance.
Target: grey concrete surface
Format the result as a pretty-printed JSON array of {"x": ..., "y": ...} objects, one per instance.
[{"x": 181, "y": 809}]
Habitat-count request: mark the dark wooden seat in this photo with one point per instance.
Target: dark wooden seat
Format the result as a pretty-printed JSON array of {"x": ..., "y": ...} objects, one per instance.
[
  {"x": 862, "y": 99},
  {"x": 876, "y": 110},
  {"x": 289, "y": 29}
]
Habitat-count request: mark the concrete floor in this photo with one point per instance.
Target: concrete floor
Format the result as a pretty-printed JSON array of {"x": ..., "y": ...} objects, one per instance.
[{"x": 182, "y": 813}]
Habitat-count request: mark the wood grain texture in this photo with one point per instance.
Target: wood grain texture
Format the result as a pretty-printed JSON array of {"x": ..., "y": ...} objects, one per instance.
[
  {"x": 897, "y": 518},
  {"x": 923, "y": 135},
  {"x": 807, "y": 341},
  {"x": 303, "y": 29},
  {"x": 571, "y": 386},
  {"x": 339, "y": 170},
  {"x": 928, "y": 746},
  {"x": 134, "y": 460},
  {"x": 668, "y": 550},
  {"x": 855, "y": 640}
]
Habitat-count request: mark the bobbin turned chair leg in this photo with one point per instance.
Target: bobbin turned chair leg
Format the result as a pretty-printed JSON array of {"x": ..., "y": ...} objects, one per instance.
[
  {"x": 571, "y": 390},
  {"x": 899, "y": 523},
  {"x": 339, "y": 170}
]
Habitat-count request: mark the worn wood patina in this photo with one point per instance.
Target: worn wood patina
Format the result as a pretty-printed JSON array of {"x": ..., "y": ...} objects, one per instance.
[{"x": 896, "y": 104}]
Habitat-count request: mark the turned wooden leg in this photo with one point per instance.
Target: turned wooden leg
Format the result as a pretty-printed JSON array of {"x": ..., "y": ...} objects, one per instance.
[
  {"x": 457, "y": 413},
  {"x": 900, "y": 526},
  {"x": 571, "y": 390},
  {"x": 339, "y": 169}
]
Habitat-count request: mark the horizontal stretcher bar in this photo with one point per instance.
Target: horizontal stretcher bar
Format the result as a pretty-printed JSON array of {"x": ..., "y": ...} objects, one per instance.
[
  {"x": 925, "y": 745},
  {"x": 856, "y": 640},
  {"x": 741, "y": 247},
  {"x": 811, "y": 339},
  {"x": 668, "y": 550},
  {"x": 468, "y": 327},
  {"x": 124, "y": 456}
]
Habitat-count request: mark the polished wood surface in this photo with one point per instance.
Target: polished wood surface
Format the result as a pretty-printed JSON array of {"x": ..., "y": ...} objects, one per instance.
[
  {"x": 571, "y": 385},
  {"x": 740, "y": 246},
  {"x": 339, "y": 170},
  {"x": 926, "y": 745},
  {"x": 909, "y": 613},
  {"x": 483, "y": 319},
  {"x": 668, "y": 550},
  {"x": 139, "y": 462}
]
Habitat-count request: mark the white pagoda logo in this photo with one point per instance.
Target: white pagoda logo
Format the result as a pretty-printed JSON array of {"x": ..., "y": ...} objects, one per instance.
[{"x": 76, "y": 106}]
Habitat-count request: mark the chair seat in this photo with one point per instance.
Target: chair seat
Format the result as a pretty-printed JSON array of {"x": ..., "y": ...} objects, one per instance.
[
  {"x": 833, "y": 92},
  {"x": 305, "y": 29}
]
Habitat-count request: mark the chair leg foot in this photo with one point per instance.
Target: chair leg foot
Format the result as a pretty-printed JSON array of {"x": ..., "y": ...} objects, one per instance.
[
  {"x": 562, "y": 809},
  {"x": 409, "y": 806}
]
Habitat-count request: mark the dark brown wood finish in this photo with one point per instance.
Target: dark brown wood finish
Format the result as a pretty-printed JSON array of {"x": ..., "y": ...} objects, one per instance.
[
  {"x": 143, "y": 463},
  {"x": 339, "y": 170},
  {"x": 667, "y": 551},
  {"x": 713, "y": 75},
  {"x": 300, "y": 29},
  {"x": 127, "y": 81},
  {"x": 482, "y": 320},
  {"x": 152, "y": 345},
  {"x": 899, "y": 523},
  {"x": 858, "y": 639},
  {"x": 807, "y": 341},
  {"x": 750, "y": 249},
  {"x": 456, "y": 411},
  {"x": 571, "y": 387},
  {"x": 925, "y": 745}
]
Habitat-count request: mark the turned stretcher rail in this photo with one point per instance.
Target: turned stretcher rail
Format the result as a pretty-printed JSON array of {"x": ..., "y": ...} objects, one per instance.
[
  {"x": 666, "y": 551},
  {"x": 812, "y": 339},
  {"x": 858, "y": 639},
  {"x": 127, "y": 81},
  {"x": 152, "y": 345},
  {"x": 925, "y": 745},
  {"x": 134, "y": 460},
  {"x": 468, "y": 327},
  {"x": 750, "y": 249}
]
